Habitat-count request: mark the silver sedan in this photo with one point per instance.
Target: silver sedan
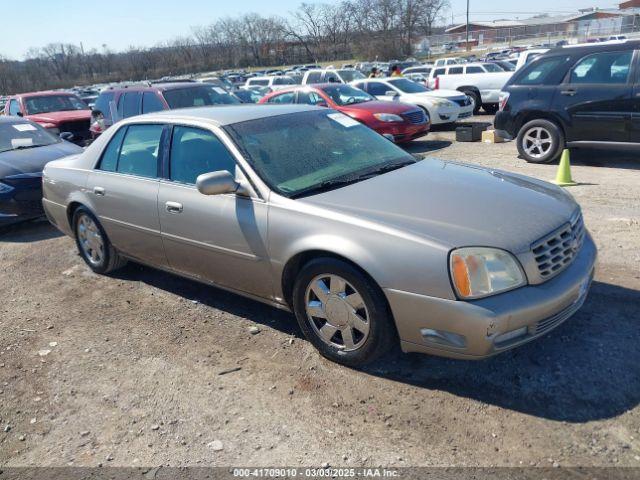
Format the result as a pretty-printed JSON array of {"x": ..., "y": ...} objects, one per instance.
[{"x": 308, "y": 210}]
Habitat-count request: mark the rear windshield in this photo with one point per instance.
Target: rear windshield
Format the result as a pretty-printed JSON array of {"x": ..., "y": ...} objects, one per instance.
[{"x": 201, "y": 96}]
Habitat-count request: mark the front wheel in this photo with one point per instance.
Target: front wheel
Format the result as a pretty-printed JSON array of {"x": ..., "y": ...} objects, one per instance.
[
  {"x": 342, "y": 312},
  {"x": 540, "y": 141}
]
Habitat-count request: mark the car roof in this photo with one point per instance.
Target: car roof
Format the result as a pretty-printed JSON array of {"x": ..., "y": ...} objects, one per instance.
[
  {"x": 47, "y": 93},
  {"x": 221, "y": 115},
  {"x": 597, "y": 47}
]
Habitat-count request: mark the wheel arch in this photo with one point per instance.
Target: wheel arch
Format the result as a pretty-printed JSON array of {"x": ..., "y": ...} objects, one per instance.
[
  {"x": 295, "y": 264},
  {"x": 540, "y": 115}
]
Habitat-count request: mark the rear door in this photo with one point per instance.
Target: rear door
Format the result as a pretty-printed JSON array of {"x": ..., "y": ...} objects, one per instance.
[
  {"x": 635, "y": 121},
  {"x": 124, "y": 192},
  {"x": 596, "y": 97}
]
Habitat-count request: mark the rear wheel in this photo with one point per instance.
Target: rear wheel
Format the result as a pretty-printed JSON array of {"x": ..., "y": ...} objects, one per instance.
[
  {"x": 93, "y": 244},
  {"x": 342, "y": 312},
  {"x": 540, "y": 141}
]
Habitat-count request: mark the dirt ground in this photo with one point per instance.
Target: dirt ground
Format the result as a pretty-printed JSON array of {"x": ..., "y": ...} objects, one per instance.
[{"x": 142, "y": 368}]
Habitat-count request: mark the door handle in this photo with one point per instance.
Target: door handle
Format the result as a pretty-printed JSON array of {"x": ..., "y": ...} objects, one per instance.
[
  {"x": 98, "y": 191},
  {"x": 173, "y": 207},
  {"x": 570, "y": 92}
]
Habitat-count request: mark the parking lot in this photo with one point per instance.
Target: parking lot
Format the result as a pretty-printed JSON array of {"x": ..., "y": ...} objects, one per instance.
[{"x": 144, "y": 368}]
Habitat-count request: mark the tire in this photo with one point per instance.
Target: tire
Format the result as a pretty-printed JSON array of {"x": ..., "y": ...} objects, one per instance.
[
  {"x": 490, "y": 108},
  {"x": 477, "y": 101},
  {"x": 337, "y": 316},
  {"x": 551, "y": 141},
  {"x": 93, "y": 244}
]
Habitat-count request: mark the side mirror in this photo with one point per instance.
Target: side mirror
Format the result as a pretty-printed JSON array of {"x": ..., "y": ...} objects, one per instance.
[
  {"x": 217, "y": 183},
  {"x": 391, "y": 93},
  {"x": 322, "y": 104},
  {"x": 68, "y": 136}
]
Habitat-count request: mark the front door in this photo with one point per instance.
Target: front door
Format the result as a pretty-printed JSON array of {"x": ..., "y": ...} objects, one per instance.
[
  {"x": 635, "y": 121},
  {"x": 124, "y": 192},
  {"x": 219, "y": 238},
  {"x": 597, "y": 98}
]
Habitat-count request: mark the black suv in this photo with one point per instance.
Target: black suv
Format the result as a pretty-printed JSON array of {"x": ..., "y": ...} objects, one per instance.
[{"x": 581, "y": 96}]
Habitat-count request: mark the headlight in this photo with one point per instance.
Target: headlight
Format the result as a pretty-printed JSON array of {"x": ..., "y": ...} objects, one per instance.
[
  {"x": 4, "y": 188},
  {"x": 480, "y": 272},
  {"x": 388, "y": 117},
  {"x": 443, "y": 103}
]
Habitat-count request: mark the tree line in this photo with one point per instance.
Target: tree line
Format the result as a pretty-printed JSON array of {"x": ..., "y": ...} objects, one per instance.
[{"x": 314, "y": 32}]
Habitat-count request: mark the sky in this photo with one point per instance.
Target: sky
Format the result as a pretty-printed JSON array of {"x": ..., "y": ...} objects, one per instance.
[{"x": 123, "y": 23}]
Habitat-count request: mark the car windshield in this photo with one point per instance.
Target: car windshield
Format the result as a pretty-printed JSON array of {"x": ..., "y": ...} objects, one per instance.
[
  {"x": 309, "y": 152},
  {"x": 350, "y": 75},
  {"x": 53, "y": 103},
  {"x": 16, "y": 136},
  {"x": 347, "y": 95},
  {"x": 200, "y": 96},
  {"x": 407, "y": 86}
]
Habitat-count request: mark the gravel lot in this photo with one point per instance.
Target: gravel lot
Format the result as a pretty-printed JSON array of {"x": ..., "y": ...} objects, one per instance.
[{"x": 142, "y": 368}]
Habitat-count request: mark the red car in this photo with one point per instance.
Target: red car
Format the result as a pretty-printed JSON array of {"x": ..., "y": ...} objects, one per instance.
[
  {"x": 58, "y": 112},
  {"x": 398, "y": 121}
]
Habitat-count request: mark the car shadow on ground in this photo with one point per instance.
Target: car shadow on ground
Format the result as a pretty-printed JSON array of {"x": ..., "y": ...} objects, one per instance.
[
  {"x": 29, "y": 231},
  {"x": 586, "y": 369},
  {"x": 605, "y": 158}
]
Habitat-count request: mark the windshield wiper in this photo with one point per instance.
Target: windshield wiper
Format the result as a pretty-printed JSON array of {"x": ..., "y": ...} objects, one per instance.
[
  {"x": 344, "y": 181},
  {"x": 26, "y": 147},
  {"x": 389, "y": 167},
  {"x": 326, "y": 186}
]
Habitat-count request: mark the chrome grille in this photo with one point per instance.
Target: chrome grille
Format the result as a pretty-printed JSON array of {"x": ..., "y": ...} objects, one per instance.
[
  {"x": 415, "y": 116},
  {"x": 557, "y": 250}
]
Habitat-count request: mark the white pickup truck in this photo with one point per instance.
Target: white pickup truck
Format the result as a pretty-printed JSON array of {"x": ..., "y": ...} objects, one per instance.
[{"x": 480, "y": 81}]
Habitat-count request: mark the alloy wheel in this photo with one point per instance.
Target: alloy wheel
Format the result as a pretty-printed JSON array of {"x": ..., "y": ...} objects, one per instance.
[
  {"x": 337, "y": 312},
  {"x": 537, "y": 142},
  {"x": 91, "y": 240}
]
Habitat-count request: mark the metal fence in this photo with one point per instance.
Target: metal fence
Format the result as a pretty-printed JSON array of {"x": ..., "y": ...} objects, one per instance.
[{"x": 524, "y": 35}]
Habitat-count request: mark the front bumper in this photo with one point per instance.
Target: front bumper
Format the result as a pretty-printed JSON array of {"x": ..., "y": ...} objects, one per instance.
[
  {"x": 402, "y": 132},
  {"x": 20, "y": 204},
  {"x": 482, "y": 328}
]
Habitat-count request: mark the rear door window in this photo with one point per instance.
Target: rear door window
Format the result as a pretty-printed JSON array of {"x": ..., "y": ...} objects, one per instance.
[
  {"x": 455, "y": 71},
  {"x": 109, "y": 160},
  {"x": 283, "y": 98},
  {"x": 131, "y": 104},
  {"x": 151, "y": 103},
  {"x": 378, "y": 88},
  {"x": 547, "y": 71},
  {"x": 140, "y": 150},
  {"x": 309, "y": 98},
  {"x": 474, "y": 70}
]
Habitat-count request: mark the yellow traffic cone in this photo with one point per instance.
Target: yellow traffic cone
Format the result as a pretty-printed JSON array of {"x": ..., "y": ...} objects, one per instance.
[{"x": 563, "y": 177}]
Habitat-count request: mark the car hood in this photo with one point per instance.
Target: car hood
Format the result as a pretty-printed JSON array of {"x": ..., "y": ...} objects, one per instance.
[
  {"x": 378, "y": 106},
  {"x": 455, "y": 205},
  {"x": 59, "y": 117},
  {"x": 438, "y": 93},
  {"x": 33, "y": 160}
]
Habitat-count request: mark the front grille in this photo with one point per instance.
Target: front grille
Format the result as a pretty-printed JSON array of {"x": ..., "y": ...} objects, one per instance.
[
  {"x": 557, "y": 250},
  {"x": 415, "y": 116}
]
